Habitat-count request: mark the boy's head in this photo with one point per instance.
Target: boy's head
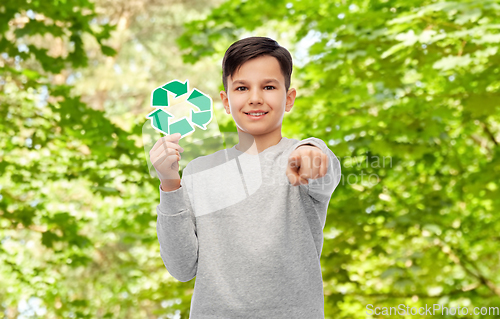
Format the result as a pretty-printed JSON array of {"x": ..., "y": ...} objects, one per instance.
[
  {"x": 246, "y": 49},
  {"x": 256, "y": 74}
]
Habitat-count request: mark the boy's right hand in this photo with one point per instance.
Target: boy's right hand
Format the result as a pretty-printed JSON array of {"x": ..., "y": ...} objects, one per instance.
[{"x": 165, "y": 158}]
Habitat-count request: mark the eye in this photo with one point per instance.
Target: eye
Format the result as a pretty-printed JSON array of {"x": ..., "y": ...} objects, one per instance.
[
  {"x": 238, "y": 88},
  {"x": 270, "y": 86}
]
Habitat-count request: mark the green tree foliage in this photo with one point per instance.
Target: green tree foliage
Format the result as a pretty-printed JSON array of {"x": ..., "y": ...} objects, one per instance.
[
  {"x": 77, "y": 214},
  {"x": 77, "y": 219},
  {"x": 407, "y": 95}
]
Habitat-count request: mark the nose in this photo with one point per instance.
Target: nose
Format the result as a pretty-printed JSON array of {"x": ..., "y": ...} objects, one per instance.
[{"x": 255, "y": 98}]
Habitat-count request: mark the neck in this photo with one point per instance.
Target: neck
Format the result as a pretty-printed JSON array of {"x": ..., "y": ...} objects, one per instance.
[{"x": 253, "y": 144}]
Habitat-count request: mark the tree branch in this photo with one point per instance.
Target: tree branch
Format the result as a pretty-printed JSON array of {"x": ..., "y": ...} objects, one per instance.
[
  {"x": 476, "y": 273},
  {"x": 489, "y": 133},
  {"x": 462, "y": 48}
]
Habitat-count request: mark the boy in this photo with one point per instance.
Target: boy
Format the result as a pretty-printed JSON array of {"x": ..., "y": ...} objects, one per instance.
[{"x": 248, "y": 221}]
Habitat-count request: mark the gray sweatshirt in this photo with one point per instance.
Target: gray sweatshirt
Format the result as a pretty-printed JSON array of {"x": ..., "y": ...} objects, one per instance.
[{"x": 252, "y": 240}]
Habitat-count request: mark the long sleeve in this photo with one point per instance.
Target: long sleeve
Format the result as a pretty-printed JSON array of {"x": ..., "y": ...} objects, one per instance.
[
  {"x": 176, "y": 229},
  {"x": 320, "y": 191},
  {"x": 322, "y": 188}
]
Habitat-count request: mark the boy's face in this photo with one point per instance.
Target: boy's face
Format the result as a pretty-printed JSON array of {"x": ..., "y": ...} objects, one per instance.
[{"x": 258, "y": 85}]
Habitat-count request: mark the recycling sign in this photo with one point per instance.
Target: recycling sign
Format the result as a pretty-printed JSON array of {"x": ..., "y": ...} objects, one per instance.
[{"x": 166, "y": 123}]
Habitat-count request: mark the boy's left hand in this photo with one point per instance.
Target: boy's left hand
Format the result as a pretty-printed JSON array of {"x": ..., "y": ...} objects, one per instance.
[{"x": 306, "y": 162}]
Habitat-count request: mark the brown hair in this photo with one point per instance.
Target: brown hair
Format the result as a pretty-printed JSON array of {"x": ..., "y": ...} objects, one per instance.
[{"x": 248, "y": 48}]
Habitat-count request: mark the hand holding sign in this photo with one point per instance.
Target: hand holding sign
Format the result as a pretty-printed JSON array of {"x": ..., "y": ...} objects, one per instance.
[{"x": 165, "y": 158}]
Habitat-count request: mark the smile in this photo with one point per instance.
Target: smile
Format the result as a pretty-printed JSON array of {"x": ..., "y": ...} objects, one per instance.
[{"x": 256, "y": 116}]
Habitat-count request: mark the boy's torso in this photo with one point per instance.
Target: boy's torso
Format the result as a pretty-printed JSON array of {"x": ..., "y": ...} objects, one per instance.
[{"x": 259, "y": 238}]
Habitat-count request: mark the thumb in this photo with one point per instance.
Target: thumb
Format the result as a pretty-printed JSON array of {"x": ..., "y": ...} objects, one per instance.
[{"x": 177, "y": 136}]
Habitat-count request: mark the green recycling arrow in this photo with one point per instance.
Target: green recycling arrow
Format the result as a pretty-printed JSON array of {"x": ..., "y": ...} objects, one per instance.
[
  {"x": 176, "y": 87},
  {"x": 159, "y": 97},
  {"x": 204, "y": 104},
  {"x": 201, "y": 118},
  {"x": 181, "y": 126},
  {"x": 160, "y": 120},
  {"x": 200, "y": 100}
]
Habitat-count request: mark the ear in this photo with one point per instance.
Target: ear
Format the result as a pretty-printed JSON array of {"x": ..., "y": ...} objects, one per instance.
[
  {"x": 225, "y": 101},
  {"x": 290, "y": 99}
]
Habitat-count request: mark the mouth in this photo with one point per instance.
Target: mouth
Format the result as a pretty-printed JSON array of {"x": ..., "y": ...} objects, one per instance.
[{"x": 256, "y": 116}]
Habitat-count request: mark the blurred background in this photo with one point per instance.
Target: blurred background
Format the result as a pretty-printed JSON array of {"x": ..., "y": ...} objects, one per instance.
[{"x": 405, "y": 93}]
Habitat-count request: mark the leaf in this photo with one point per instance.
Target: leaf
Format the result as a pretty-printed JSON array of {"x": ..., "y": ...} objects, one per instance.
[
  {"x": 469, "y": 16},
  {"x": 432, "y": 228},
  {"x": 452, "y": 62},
  {"x": 107, "y": 50}
]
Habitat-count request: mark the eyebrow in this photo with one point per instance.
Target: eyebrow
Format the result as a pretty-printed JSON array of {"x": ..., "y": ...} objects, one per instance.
[{"x": 263, "y": 81}]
